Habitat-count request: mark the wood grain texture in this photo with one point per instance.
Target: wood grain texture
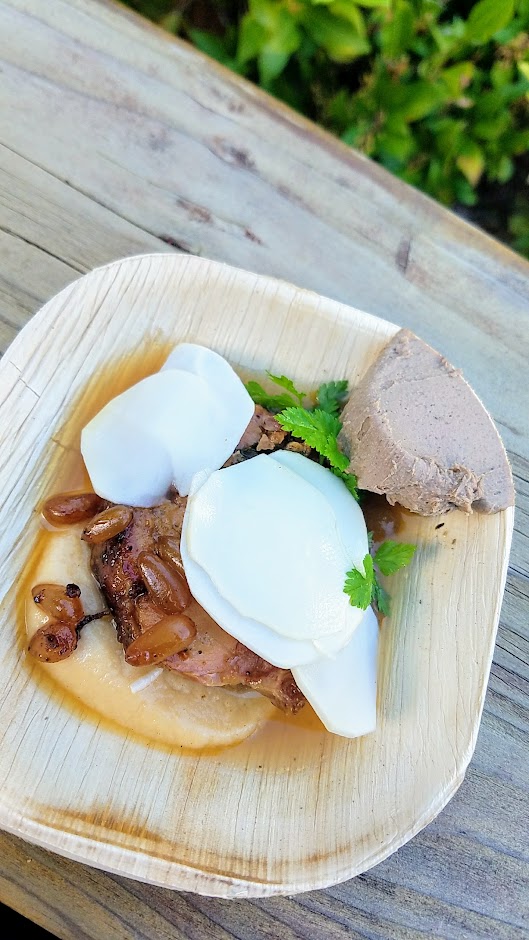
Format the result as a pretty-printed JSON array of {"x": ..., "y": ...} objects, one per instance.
[{"x": 113, "y": 135}]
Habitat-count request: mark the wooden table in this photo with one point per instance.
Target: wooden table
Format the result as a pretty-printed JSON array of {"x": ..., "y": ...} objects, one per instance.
[{"x": 115, "y": 140}]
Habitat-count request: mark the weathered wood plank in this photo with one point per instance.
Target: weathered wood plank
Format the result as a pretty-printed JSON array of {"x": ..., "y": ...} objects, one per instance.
[
  {"x": 49, "y": 235},
  {"x": 114, "y": 137},
  {"x": 168, "y": 140}
]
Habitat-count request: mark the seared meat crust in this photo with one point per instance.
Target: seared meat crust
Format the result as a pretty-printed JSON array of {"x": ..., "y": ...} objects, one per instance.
[{"x": 214, "y": 657}]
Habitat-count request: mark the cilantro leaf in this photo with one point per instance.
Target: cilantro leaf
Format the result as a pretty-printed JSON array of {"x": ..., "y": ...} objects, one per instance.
[
  {"x": 349, "y": 479},
  {"x": 318, "y": 429},
  {"x": 364, "y": 589},
  {"x": 331, "y": 396},
  {"x": 381, "y": 598},
  {"x": 262, "y": 397},
  {"x": 287, "y": 384},
  {"x": 391, "y": 556},
  {"x": 358, "y": 586}
]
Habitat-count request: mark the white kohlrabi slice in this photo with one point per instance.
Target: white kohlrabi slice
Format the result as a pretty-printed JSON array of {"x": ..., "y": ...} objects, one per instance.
[
  {"x": 161, "y": 412},
  {"x": 175, "y": 427},
  {"x": 268, "y": 541},
  {"x": 351, "y": 529},
  {"x": 343, "y": 690},
  {"x": 126, "y": 463},
  {"x": 350, "y": 522},
  {"x": 223, "y": 382},
  {"x": 282, "y": 651},
  {"x": 278, "y": 650}
]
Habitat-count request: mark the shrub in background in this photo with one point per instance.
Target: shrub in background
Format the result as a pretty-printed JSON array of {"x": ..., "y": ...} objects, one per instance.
[{"x": 438, "y": 92}]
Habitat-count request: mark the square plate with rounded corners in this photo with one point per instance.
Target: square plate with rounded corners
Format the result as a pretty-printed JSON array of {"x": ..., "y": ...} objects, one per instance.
[{"x": 235, "y": 823}]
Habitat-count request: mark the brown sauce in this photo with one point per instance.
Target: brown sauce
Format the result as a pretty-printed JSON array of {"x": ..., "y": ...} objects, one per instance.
[
  {"x": 285, "y": 741},
  {"x": 382, "y": 519}
]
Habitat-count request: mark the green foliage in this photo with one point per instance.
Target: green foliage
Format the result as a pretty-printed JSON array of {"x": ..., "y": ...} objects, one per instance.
[
  {"x": 273, "y": 401},
  {"x": 288, "y": 385},
  {"x": 350, "y": 480},
  {"x": 318, "y": 429},
  {"x": 363, "y": 587},
  {"x": 331, "y": 396},
  {"x": 436, "y": 91}
]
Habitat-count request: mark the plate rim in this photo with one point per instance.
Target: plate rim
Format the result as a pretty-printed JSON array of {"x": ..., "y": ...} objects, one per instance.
[{"x": 180, "y": 876}]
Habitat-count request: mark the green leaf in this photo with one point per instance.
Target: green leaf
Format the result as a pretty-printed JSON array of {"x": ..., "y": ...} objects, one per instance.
[
  {"x": 270, "y": 65},
  {"x": 487, "y": 17},
  {"x": 269, "y": 33},
  {"x": 399, "y": 147},
  {"x": 398, "y": 30},
  {"x": 381, "y": 598},
  {"x": 519, "y": 224},
  {"x": 213, "y": 46},
  {"x": 252, "y": 37},
  {"x": 268, "y": 13},
  {"x": 340, "y": 39},
  {"x": 331, "y": 396},
  {"x": 345, "y": 10},
  {"x": 364, "y": 587},
  {"x": 287, "y": 384},
  {"x": 419, "y": 100},
  {"x": 449, "y": 37},
  {"x": 520, "y": 141},
  {"x": 505, "y": 169},
  {"x": 359, "y": 585},
  {"x": 172, "y": 23},
  {"x": 271, "y": 402},
  {"x": 464, "y": 192},
  {"x": 501, "y": 74},
  {"x": 275, "y": 402},
  {"x": 471, "y": 162},
  {"x": 449, "y": 135},
  {"x": 496, "y": 102},
  {"x": 458, "y": 77},
  {"x": 382, "y": 4},
  {"x": 492, "y": 128},
  {"x": 350, "y": 481},
  {"x": 318, "y": 429},
  {"x": 524, "y": 69},
  {"x": 391, "y": 556}
]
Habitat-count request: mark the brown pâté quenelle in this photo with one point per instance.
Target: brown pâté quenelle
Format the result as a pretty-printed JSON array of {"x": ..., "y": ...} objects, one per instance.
[{"x": 415, "y": 431}]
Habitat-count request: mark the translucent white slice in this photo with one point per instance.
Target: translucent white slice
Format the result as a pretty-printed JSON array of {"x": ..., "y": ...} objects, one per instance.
[
  {"x": 164, "y": 429},
  {"x": 125, "y": 462},
  {"x": 350, "y": 522},
  {"x": 269, "y": 542},
  {"x": 351, "y": 529},
  {"x": 223, "y": 382},
  {"x": 343, "y": 690},
  {"x": 278, "y": 650},
  {"x": 140, "y": 684}
]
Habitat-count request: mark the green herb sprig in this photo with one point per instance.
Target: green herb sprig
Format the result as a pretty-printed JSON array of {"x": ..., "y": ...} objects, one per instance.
[
  {"x": 364, "y": 588},
  {"x": 291, "y": 395},
  {"x": 318, "y": 427},
  {"x": 331, "y": 396}
]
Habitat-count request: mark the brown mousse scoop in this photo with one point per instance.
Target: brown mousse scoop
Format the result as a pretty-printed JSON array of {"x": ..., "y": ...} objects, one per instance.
[{"x": 415, "y": 431}]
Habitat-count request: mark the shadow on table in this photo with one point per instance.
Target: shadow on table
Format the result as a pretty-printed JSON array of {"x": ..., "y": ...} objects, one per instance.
[{"x": 14, "y": 925}]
